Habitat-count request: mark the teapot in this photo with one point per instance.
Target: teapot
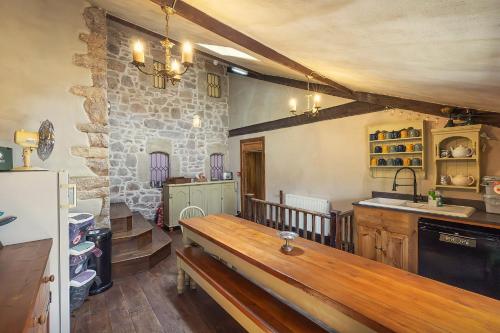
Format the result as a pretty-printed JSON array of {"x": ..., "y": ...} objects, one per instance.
[
  {"x": 461, "y": 180},
  {"x": 461, "y": 151}
]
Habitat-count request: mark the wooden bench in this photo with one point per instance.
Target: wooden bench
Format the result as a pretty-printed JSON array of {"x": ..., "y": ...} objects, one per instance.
[{"x": 254, "y": 308}]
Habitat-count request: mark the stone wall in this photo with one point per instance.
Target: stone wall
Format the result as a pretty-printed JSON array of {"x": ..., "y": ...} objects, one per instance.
[
  {"x": 94, "y": 187},
  {"x": 144, "y": 119}
]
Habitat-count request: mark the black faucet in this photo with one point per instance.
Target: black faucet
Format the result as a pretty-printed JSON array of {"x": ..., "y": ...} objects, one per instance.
[{"x": 395, "y": 185}]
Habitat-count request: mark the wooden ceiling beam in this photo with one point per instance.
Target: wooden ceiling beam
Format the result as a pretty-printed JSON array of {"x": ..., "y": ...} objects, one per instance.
[
  {"x": 200, "y": 18},
  {"x": 434, "y": 109},
  {"x": 334, "y": 112}
]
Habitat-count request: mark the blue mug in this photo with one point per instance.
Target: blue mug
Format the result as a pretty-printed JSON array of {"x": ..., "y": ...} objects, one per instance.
[
  {"x": 398, "y": 161},
  {"x": 381, "y": 162},
  {"x": 377, "y": 149},
  {"x": 416, "y": 161}
]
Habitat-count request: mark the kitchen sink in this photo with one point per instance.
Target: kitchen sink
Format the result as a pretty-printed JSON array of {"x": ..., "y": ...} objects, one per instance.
[{"x": 422, "y": 207}]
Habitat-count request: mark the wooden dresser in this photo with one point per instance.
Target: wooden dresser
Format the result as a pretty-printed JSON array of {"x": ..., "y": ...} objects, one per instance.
[{"x": 24, "y": 287}]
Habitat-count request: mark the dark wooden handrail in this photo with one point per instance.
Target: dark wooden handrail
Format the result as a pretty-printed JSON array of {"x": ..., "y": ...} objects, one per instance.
[{"x": 275, "y": 215}]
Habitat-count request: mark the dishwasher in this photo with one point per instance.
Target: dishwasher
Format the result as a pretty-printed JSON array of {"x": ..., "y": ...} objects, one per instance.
[{"x": 461, "y": 255}]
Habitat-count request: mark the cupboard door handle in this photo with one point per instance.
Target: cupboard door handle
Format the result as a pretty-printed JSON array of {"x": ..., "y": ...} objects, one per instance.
[{"x": 50, "y": 278}]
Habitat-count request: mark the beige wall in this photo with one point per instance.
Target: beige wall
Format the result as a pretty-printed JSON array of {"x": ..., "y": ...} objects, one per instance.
[
  {"x": 39, "y": 41},
  {"x": 256, "y": 101},
  {"x": 329, "y": 159}
]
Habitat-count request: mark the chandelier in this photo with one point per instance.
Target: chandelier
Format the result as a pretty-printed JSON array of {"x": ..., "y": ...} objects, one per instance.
[
  {"x": 172, "y": 71},
  {"x": 313, "y": 103}
]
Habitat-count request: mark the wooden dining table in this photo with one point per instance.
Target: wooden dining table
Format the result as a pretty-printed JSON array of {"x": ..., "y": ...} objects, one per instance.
[{"x": 346, "y": 292}]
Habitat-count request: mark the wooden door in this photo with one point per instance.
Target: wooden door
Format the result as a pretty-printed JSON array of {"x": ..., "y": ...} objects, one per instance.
[
  {"x": 368, "y": 242},
  {"x": 395, "y": 249},
  {"x": 229, "y": 196},
  {"x": 213, "y": 199},
  {"x": 197, "y": 196},
  {"x": 253, "y": 171},
  {"x": 178, "y": 200}
]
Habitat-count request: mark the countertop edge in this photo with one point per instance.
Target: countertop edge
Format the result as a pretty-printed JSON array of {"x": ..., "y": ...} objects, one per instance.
[{"x": 478, "y": 218}]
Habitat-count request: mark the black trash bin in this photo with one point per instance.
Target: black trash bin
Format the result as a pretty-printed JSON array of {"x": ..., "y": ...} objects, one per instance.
[{"x": 101, "y": 264}]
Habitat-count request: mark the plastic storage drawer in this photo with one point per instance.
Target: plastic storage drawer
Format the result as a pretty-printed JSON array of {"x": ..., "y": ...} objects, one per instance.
[
  {"x": 79, "y": 224},
  {"x": 79, "y": 288},
  {"x": 79, "y": 257}
]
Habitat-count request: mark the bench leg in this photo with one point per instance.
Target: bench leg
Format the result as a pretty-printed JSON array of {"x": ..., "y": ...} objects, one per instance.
[
  {"x": 180, "y": 278},
  {"x": 192, "y": 284}
]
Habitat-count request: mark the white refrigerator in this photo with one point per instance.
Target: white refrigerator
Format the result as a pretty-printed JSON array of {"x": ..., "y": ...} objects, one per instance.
[{"x": 40, "y": 201}]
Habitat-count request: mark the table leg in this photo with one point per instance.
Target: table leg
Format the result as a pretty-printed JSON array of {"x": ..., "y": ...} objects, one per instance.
[{"x": 180, "y": 277}]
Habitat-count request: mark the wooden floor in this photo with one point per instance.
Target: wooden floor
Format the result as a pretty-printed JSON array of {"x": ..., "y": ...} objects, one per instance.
[{"x": 148, "y": 302}]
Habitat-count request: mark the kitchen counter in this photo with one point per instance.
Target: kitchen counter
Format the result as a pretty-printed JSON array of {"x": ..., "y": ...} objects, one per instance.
[{"x": 479, "y": 217}]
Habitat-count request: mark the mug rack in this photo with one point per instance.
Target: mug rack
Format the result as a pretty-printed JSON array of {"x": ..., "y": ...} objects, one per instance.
[
  {"x": 448, "y": 138},
  {"x": 386, "y": 152}
]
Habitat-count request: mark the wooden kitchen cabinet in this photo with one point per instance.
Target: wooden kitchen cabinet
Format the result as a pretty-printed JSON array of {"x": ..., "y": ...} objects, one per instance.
[
  {"x": 368, "y": 240},
  {"x": 25, "y": 288},
  {"x": 386, "y": 236},
  {"x": 213, "y": 197}
]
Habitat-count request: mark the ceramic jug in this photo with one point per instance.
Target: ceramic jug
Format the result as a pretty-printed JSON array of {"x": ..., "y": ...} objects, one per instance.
[
  {"x": 381, "y": 135},
  {"x": 373, "y": 161},
  {"x": 413, "y": 132},
  {"x": 461, "y": 180},
  {"x": 409, "y": 147},
  {"x": 461, "y": 151},
  {"x": 385, "y": 149},
  {"x": 417, "y": 147},
  {"x": 404, "y": 133}
]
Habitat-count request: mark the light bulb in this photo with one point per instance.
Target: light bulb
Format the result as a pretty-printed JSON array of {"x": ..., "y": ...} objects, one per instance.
[
  {"x": 175, "y": 66},
  {"x": 293, "y": 104},
  {"x": 138, "y": 46},
  {"x": 317, "y": 99},
  {"x": 196, "y": 121}
]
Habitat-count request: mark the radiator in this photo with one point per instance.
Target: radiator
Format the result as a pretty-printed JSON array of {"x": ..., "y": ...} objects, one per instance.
[{"x": 312, "y": 204}]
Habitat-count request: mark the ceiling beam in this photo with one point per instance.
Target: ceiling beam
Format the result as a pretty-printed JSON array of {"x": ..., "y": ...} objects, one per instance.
[
  {"x": 334, "y": 112},
  {"x": 434, "y": 109},
  {"x": 200, "y": 18}
]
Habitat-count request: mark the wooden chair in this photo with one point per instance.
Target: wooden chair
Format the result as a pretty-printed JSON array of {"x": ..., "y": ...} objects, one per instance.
[{"x": 191, "y": 211}]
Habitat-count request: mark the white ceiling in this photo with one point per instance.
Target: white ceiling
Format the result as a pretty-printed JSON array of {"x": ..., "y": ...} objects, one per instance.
[{"x": 444, "y": 51}]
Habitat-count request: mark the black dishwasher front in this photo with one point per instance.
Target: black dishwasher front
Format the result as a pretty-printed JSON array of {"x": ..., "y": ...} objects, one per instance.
[{"x": 462, "y": 255}]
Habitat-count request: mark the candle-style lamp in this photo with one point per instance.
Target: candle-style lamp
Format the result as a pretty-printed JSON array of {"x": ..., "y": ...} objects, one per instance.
[
  {"x": 173, "y": 70},
  {"x": 138, "y": 54},
  {"x": 317, "y": 100},
  {"x": 187, "y": 54},
  {"x": 293, "y": 106}
]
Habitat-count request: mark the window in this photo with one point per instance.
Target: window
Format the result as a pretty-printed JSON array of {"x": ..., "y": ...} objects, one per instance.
[
  {"x": 213, "y": 85},
  {"x": 216, "y": 166},
  {"x": 158, "y": 80},
  {"x": 160, "y": 168}
]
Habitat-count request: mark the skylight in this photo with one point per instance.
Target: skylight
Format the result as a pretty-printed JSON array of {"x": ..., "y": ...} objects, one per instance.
[{"x": 228, "y": 51}]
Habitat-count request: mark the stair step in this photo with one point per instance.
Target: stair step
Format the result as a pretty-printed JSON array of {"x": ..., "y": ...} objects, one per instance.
[
  {"x": 121, "y": 217},
  {"x": 139, "y": 237},
  {"x": 144, "y": 258}
]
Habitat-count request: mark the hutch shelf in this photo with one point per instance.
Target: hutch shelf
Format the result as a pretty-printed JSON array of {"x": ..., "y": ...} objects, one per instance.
[{"x": 446, "y": 139}]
